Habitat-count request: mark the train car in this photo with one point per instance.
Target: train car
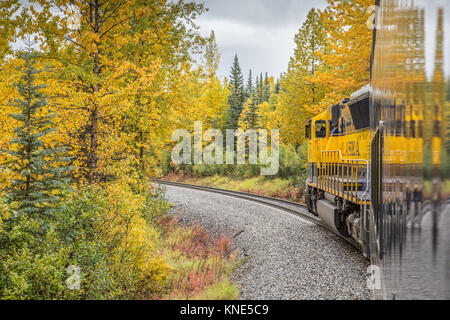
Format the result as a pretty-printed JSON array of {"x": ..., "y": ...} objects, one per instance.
[
  {"x": 378, "y": 162},
  {"x": 409, "y": 217}
]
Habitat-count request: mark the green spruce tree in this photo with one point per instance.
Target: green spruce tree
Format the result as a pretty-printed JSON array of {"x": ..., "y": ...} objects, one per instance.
[
  {"x": 237, "y": 97},
  {"x": 260, "y": 91},
  {"x": 250, "y": 90},
  {"x": 40, "y": 170},
  {"x": 266, "y": 89},
  {"x": 277, "y": 87},
  {"x": 256, "y": 91}
]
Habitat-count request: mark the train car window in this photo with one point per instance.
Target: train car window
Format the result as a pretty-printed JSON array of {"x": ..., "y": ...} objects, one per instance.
[
  {"x": 437, "y": 128},
  {"x": 360, "y": 112},
  {"x": 336, "y": 113},
  {"x": 412, "y": 129},
  {"x": 308, "y": 131},
  {"x": 320, "y": 129},
  {"x": 390, "y": 119},
  {"x": 398, "y": 128}
]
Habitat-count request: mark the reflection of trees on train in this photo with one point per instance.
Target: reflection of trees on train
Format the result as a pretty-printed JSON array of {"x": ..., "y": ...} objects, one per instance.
[{"x": 414, "y": 178}]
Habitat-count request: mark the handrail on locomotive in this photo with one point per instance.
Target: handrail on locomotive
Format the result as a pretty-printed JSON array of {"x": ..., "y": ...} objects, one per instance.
[
  {"x": 329, "y": 164},
  {"x": 332, "y": 184}
]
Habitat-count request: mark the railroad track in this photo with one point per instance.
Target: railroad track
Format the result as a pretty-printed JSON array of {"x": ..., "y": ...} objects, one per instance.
[{"x": 280, "y": 204}]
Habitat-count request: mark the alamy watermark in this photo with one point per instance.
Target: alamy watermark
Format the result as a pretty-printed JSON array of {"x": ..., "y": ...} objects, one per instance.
[
  {"x": 374, "y": 19},
  {"x": 236, "y": 143},
  {"x": 74, "y": 281},
  {"x": 374, "y": 279}
]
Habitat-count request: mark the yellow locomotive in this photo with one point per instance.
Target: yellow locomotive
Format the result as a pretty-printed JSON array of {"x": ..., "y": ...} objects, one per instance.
[
  {"x": 339, "y": 142},
  {"x": 341, "y": 159},
  {"x": 338, "y": 164}
]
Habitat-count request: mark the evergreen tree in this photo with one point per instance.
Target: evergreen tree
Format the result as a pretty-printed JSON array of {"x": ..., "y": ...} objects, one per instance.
[
  {"x": 260, "y": 91},
  {"x": 277, "y": 87},
  {"x": 39, "y": 168},
  {"x": 237, "y": 97},
  {"x": 266, "y": 89},
  {"x": 250, "y": 89},
  {"x": 256, "y": 90}
]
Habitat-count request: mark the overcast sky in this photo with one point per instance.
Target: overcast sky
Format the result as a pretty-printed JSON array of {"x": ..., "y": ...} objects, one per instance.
[{"x": 261, "y": 32}]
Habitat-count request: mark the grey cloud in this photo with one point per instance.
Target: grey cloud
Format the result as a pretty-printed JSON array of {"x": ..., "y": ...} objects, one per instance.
[
  {"x": 262, "y": 12},
  {"x": 261, "y": 32}
]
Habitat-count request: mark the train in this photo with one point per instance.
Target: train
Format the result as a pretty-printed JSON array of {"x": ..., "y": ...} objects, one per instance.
[
  {"x": 337, "y": 187},
  {"x": 378, "y": 161}
]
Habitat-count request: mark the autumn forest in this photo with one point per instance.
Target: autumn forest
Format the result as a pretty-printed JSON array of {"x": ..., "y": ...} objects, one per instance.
[{"x": 87, "y": 112}]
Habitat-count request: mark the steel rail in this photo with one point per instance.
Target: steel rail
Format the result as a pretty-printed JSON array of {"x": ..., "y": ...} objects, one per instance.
[{"x": 264, "y": 200}]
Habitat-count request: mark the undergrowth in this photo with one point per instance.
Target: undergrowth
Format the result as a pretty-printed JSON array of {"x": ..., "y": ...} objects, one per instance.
[{"x": 202, "y": 264}]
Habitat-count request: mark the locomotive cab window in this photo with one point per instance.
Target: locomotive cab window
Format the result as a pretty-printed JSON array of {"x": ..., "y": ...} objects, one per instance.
[{"x": 320, "y": 129}]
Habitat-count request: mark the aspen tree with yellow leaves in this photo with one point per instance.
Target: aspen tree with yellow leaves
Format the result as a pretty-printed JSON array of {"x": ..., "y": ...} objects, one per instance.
[
  {"x": 250, "y": 116},
  {"x": 105, "y": 69},
  {"x": 160, "y": 103},
  {"x": 7, "y": 92},
  {"x": 347, "y": 60},
  {"x": 8, "y": 26},
  {"x": 298, "y": 93},
  {"x": 7, "y": 75},
  {"x": 213, "y": 98}
]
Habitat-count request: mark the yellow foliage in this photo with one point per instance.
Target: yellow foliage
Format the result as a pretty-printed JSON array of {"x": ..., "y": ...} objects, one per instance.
[
  {"x": 291, "y": 119},
  {"x": 299, "y": 93},
  {"x": 7, "y": 92},
  {"x": 212, "y": 102},
  {"x": 265, "y": 113},
  {"x": 347, "y": 60},
  {"x": 250, "y": 116},
  {"x": 138, "y": 239},
  {"x": 118, "y": 81},
  {"x": 8, "y": 25}
]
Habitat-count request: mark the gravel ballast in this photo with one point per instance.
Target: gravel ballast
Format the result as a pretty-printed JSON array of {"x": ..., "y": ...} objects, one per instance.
[{"x": 287, "y": 257}]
